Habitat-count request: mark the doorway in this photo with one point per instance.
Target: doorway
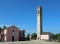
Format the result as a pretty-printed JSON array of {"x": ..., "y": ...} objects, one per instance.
[{"x": 12, "y": 38}]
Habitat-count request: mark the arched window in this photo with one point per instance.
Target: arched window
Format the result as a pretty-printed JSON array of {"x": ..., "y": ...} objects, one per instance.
[
  {"x": 12, "y": 30},
  {"x": 38, "y": 12}
]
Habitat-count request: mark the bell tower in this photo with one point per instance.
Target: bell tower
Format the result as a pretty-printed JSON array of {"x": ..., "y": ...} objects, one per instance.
[{"x": 39, "y": 22}]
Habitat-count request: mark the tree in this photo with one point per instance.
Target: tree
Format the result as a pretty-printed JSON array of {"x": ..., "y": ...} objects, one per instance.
[
  {"x": 4, "y": 27},
  {"x": 34, "y": 36},
  {"x": 58, "y": 36},
  {"x": 54, "y": 37},
  {"x": 0, "y": 29},
  {"x": 28, "y": 36}
]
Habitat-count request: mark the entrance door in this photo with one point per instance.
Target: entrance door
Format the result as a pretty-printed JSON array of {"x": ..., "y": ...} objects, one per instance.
[{"x": 12, "y": 38}]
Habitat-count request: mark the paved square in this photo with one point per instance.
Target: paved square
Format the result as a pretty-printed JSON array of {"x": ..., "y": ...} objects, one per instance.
[{"x": 30, "y": 42}]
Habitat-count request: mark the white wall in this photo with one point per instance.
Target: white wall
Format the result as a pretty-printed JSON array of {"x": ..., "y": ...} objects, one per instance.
[
  {"x": 5, "y": 34},
  {"x": 45, "y": 37},
  {"x": 5, "y": 31}
]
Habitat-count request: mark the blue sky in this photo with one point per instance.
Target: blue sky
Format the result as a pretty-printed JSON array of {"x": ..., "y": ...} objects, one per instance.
[{"x": 22, "y": 13}]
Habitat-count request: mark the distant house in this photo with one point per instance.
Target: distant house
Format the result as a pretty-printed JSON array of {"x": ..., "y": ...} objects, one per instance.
[
  {"x": 13, "y": 33},
  {"x": 46, "y": 36}
]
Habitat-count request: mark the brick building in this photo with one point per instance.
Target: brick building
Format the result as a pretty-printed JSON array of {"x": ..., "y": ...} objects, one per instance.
[{"x": 13, "y": 33}]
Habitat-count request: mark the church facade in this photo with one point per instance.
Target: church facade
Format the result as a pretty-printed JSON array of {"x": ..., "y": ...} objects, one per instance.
[{"x": 13, "y": 33}]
